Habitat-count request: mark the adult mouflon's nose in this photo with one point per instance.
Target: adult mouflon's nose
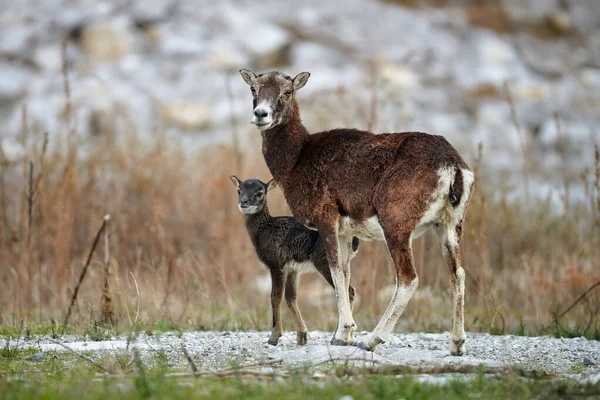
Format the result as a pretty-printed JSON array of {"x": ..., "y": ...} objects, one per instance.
[{"x": 260, "y": 113}]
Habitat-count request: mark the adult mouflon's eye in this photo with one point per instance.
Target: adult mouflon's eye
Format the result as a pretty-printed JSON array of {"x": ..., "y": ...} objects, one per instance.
[
  {"x": 239, "y": 191},
  {"x": 288, "y": 93}
]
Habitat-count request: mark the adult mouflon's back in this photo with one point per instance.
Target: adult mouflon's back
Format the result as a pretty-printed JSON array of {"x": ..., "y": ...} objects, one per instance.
[{"x": 346, "y": 182}]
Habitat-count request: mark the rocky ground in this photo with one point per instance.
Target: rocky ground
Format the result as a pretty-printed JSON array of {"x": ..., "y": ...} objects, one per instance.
[{"x": 576, "y": 357}]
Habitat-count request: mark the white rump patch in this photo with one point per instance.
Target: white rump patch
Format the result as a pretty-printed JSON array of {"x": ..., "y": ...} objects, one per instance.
[
  {"x": 369, "y": 229},
  {"x": 440, "y": 209}
]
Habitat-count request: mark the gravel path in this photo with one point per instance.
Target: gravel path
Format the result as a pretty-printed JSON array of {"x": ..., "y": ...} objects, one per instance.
[{"x": 216, "y": 350}]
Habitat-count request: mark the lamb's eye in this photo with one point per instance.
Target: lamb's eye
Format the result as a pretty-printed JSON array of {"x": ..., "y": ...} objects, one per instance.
[
  {"x": 288, "y": 93},
  {"x": 259, "y": 194},
  {"x": 252, "y": 90}
]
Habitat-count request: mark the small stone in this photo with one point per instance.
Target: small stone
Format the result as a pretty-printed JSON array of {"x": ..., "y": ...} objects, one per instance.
[
  {"x": 347, "y": 397},
  {"x": 36, "y": 357},
  {"x": 588, "y": 362},
  {"x": 560, "y": 21}
]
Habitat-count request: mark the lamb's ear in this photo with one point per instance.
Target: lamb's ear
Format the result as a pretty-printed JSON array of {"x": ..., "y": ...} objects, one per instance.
[
  {"x": 235, "y": 180},
  {"x": 248, "y": 76},
  {"x": 272, "y": 184},
  {"x": 300, "y": 80}
]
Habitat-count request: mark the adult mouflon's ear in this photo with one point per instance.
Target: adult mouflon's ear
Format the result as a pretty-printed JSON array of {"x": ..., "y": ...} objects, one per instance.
[
  {"x": 300, "y": 80},
  {"x": 248, "y": 76},
  {"x": 235, "y": 180},
  {"x": 272, "y": 184}
]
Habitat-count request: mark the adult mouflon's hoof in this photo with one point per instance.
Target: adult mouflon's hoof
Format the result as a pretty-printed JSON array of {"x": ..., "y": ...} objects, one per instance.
[
  {"x": 370, "y": 342},
  {"x": 301, "y": 338},
  {"x": 457, "y": 347}
]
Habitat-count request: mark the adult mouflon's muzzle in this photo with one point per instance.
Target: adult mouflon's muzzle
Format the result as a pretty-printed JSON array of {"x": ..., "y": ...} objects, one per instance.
[{"x": 263, "y": 116}]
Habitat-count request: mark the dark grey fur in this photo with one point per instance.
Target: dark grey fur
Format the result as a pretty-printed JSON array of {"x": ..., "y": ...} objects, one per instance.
[{"x": 281, "y": 242}]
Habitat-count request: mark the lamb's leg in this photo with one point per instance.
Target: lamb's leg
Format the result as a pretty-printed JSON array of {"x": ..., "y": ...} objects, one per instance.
[
  {"x": 344, "y": 334},
  {"x": 323, "y": 267},
  {"x": 291, "y": 286},
  {"x": 277, "y": 287}
]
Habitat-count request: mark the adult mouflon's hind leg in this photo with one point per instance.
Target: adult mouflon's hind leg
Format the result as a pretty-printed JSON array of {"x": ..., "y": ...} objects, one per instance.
[
  {"x": 450, "y": 237},
  {"x": 399, "y": 246},
  {"x": 291, "y": 286},
  {"x": 277, "y": 285}
]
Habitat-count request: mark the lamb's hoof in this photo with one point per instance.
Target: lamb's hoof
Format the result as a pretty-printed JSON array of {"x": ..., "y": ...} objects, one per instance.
[
  {"x": 302, "y": 338},
  {"x": 370, "y": 343},
  {"x": 457, "y": 347}
]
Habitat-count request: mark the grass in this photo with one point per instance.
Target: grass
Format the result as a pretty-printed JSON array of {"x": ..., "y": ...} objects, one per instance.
[{"x": 300, "y": 386}]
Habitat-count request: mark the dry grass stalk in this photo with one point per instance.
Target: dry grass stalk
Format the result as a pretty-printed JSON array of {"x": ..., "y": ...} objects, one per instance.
[
  {"x": 189, "y": 358},
  {"x": 562, "y": 150},
  {"x": 107, "y": 306},
  {"x": 597, "y": 182},
  {"x": 522, "y": 138},
  {"x": 84, "y": 270},
  {"x": 80, "y": 355}
]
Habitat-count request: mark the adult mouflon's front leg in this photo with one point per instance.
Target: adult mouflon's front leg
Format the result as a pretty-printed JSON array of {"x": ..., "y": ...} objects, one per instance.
[{"x": 344, "y": 335}]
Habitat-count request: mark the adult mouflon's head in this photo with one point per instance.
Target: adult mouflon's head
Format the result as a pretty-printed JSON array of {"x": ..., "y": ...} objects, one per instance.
[
  {"x": 252, "y": 194},
  {"x": 273, "y": 96}
]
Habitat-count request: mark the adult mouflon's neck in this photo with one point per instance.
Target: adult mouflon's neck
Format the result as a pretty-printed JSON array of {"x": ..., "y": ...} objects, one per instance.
[
  {"x": 253, "y": 221},
  {"x": 282, "y": 144}
]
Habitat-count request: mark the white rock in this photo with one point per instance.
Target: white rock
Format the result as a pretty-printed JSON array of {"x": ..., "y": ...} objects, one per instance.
[
  {"x": 311, "y": 53},
  {"x": 493, "y": 49},
  {"x": 189, "y": 115},
  {"x": 265, "y": 42},
  {"x": 16, "y": 38},
  {"x": 13, "y": 82},
  {"x": 106, "y": 41},
  {"x": 528, "y": 10},
  {"x": 398, "y": 76},
  {"x": 590, "y": 78},
  {"x": 49, "y": 57}
]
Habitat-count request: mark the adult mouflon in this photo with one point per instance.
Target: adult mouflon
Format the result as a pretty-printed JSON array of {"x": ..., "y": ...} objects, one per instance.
[
  {"x": 287, "y": 248},
  {"x": 347, "y": 182}
]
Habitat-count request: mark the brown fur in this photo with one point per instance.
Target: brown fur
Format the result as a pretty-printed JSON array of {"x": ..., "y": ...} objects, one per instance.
[{"x": 348, "y": 172}]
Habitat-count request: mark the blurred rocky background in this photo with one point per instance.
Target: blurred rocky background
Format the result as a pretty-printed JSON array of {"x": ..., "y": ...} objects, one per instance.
[
  {"x": 438, "y": 66},
  {"x": 142, "y": 105}
]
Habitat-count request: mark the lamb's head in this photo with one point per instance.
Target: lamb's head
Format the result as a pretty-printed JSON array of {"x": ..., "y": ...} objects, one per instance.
[
  {"x": 252, "y": 194},
  {"x": 273, "y": 95}
]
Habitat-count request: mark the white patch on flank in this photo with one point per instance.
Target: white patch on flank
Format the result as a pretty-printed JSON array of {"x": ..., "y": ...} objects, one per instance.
[
  {"x": 369, "y": 229},
  {"x": 300, "y": 267}
]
